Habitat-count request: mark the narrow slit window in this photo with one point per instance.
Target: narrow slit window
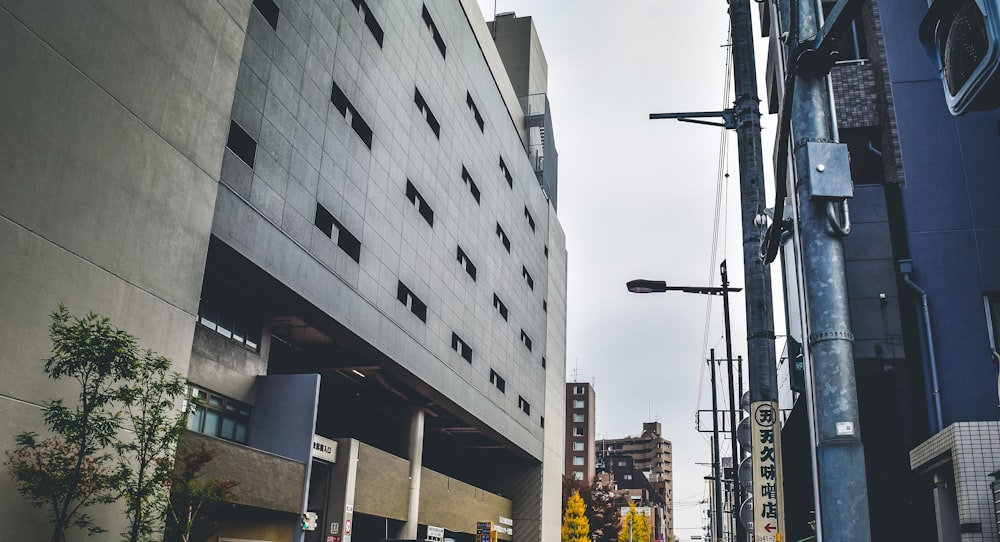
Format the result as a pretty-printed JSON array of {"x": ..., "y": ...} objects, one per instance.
[
  {"x": 527, "y": 277},
  {"x": 526, "y": 340},
  {"x": 464, "y": 260},
  {"x": 269, "y": 10},
  {"x": 529, "y": 218},
  {"x": 427, "y": 113},
  {"x": 419, "y": 202},
  {"x": 467, "y": 179},
  {"x": 432, "y": 28},
  {"x": 460, "y": 346},
  {"x": 545, "y": 306},
  {"x": 369, "y": 19},
  {"x": 499, "y": 306},
  {"x": 503, "y": 237},
  {"x": 475, "y": 111},
  {"x": 506, "y": 173},
  {"x": 498, "y": 381},
  {"x": 241, "y": 143},
  {"x": 411, "y": 301},
  {"x": 543, "y": 362},
  {"x": 350, "y": 114},
  {"x": 523, "y": 405},
  {"x": 336, "y": 231}
]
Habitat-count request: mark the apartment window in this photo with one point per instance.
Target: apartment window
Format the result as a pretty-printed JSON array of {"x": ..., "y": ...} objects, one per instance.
[
  {"x": 526, "y": 340},
  {"x": 498, "y": 381},
  {"x": 338, "y": 233},
  {"x": 577, "y": 460},
  {"x": 506, "y": 173},
  {"x": 460, "y": 346},
  {"x": 546, "y": 251},
  {"x": 269, "y": 10},
  {"x": 218, "y": 416},
  {"x": 543, "y": 362},
  {"x": 578, "y": 418},
  {"x": 627, "y": 476},
  {"x": 432, "y": 28},
  {"x": 427, "y": 113},
  {"x": 230, "y": 322},
  {"x": 411, "y": 301},
  {"x": 242, "y": 145},
  {"x": 529, "y": 218},
  {"x": 523, "y": 405},
  {"x": 541, "y": 421},
  {"x": 350, "y": 113},
  {"x": 419, "y": 202},
  {"x": 545, "y": 306},
  {"x": 577, "y": 431},
  {"x": 475, "y": 111},
  {"x": 622, "y": 463},
  {"x": 527, "y": 277},
  {"x": 578, "y": 390},
  {"x": 578, "y": 475},
  {"x": 464, "y": 260},
  {"x": 467, "y": 179},
  {"x": 499, "y": 306},
  {"x": 369, "y": 19},
  {"x": 503, "y": 237},
  {"x": 577, "y": 446},
  {"x": 577, "y": 403}
]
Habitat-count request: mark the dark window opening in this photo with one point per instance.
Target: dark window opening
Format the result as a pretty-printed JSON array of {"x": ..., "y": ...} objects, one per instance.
[
  {"x": 851, "y": 45},
  {"x": 527, "y": 277},
  {"x": 500, "y": 307},
  {"x": 269, "y": 10},
  {"x": 526, "y": 340},
  {"x": 242, "y": 145},
  {"x": 467, "y": 179},
  {"x": 545, "y": 306},
  {"x": 531, "y": 220},
  {"x": 498, "y": 381},
  {"x": 542, "y": 421},
  {"x": 503, "y": 237},
  {"x": 464, "y": 260},
  {"x": 523, "y": 405},
  {"x": 432, "y": 28},
  {"x": 543, "y": 362},
  {"x": 358, "y": 124},
  {"x": 506, "y": 173},
  {"x": 475, "y": 111},
  {"x": 338, "y": 233},
  {"x": 427, "y": 113},
  {"x": 864, "y": 145},
  {"x": 410, "y": 301},
  {"x": 218, "y": 416},
  {"x": 546, "y": 251},
  {"x": 460, "y": 346},
  {"x": 369, "y": 19},
  {"x": 419, "y": 202}
]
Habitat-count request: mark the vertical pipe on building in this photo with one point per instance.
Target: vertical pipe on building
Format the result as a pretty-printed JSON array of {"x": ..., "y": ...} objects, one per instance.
[
  {"x": 716, "y": 456},
  {"x": 409, "y": 530},
  {"x": 840, "y": 452},
  {"x": 931, "y": 360}
]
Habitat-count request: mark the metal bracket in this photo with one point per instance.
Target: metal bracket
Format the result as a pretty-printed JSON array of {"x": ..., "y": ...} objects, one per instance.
[
  {"x": 728, "y": 117},
  {"x": 820, "y": 54}
]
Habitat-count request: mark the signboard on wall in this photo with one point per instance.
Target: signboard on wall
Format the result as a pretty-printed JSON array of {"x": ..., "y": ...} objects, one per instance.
[{"x": 324, "y": 449}]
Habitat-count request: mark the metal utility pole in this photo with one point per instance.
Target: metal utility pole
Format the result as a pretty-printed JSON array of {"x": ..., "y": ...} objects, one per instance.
[
  {"x": 737, "y": 489},
  {"x": 717, "y": 458}
]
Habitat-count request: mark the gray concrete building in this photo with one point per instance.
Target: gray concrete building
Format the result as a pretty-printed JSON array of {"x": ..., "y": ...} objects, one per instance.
[{"x": 328, "y": 214}]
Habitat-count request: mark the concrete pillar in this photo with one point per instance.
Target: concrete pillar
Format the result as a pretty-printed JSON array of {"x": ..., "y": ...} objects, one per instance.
[
  {"x": 946, "y": 507},
  {"x": 409, "y": 530}
]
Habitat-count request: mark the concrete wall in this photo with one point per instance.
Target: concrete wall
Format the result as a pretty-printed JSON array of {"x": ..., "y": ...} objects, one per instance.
[{"x": 114, "y": 119}]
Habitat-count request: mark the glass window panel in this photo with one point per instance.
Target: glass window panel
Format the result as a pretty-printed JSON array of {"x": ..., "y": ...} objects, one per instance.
[
  {"x": 211, "y": 423},
  {"x": 228, "y": 428},
  {"x": 241, "y": 433},
  {"x": 215, "y": 401},
  {"x": 196, "y": 418}
]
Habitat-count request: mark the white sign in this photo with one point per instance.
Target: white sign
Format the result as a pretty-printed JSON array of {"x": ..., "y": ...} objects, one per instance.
[
  {"x": 435, "y": 533},
  {"x": 766, "y": 450},
  {"x": 324, "y": 449}
]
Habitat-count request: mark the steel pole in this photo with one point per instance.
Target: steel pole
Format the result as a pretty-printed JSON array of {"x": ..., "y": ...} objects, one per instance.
[
  {"x": 737, "y": 491},
  {"x": 839, "y": 452},
  {"x": 717, "y": 459}
]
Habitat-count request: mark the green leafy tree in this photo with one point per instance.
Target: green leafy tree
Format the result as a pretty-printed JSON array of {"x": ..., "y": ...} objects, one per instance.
[
  {"x": 145, "y": 462},
  {"x": 195, "y": 500},
  {"x": 72, "y": 471},
  {"x": 575, "y": 527},
  {"x": 635, "y": 527}
]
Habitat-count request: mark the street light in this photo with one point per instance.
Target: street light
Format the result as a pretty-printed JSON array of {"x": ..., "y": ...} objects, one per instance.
[{"x": 645, "y": 286}]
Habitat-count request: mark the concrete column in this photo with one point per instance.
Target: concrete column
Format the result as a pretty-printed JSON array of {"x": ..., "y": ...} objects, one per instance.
[
  {"x": 946, "y": 507},
  {"x": 409, "y": 530}
]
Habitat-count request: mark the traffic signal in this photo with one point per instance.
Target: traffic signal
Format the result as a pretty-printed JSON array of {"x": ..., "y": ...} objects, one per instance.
[
  {"x": 309, "y": 520},
  {"x": 962, "y": 38}
]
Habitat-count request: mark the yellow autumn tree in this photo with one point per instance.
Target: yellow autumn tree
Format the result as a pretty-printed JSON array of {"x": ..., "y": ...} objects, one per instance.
[
  {"x": 635, "y": 526},
  {"x": 575, "y": 527}
]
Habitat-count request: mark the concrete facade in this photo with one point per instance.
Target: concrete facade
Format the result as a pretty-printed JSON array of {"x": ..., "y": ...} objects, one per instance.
[
  {"x": 323, "y": 211},
  {"x": 651, "y": 455}
]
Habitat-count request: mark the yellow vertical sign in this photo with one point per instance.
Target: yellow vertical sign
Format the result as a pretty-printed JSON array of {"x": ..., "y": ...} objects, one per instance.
[{"x": 768, "y": 511}]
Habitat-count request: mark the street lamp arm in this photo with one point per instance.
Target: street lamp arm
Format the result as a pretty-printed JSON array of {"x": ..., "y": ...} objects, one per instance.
[{"x": 644, "y": 286}]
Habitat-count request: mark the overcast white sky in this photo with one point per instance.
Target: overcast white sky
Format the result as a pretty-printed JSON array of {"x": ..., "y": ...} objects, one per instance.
[{"x": 637, "y": 200}]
